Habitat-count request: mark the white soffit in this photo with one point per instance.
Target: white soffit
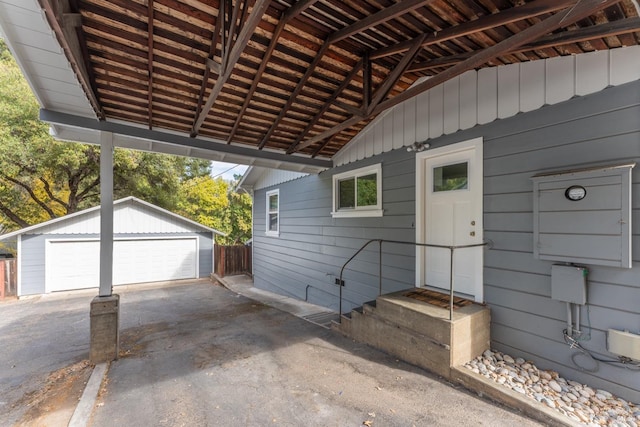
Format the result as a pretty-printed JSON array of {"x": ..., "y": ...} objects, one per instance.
[{"x": 41, "y": 59}]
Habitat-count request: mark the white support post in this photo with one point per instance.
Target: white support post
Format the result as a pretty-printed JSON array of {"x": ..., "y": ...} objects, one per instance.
[{"x": 106, "y": 213}]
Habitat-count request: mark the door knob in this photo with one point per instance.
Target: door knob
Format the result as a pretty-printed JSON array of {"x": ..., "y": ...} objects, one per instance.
[
  {"x": 473, "y": 233},
  {"x": 473, "y": 223}
]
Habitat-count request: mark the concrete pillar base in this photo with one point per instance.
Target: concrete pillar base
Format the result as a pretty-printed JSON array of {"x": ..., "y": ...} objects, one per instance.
[{"x": 104, "y": 329}]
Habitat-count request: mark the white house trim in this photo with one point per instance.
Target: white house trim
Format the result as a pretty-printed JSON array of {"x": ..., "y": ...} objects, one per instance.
[
  {"x": 19, "y": 264},
  {"x": 30, "y": 229},
  {"x": 477, "y": 175}
]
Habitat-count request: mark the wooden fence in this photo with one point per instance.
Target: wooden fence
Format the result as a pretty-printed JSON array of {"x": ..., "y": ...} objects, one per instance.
[
  {"x": 8, "y": 278},
  {"x": 230, "y": 260}
]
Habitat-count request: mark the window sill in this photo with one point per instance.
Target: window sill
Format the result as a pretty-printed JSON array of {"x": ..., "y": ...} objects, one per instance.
[
  {"x": 358, "y": 213},
  {"x": 272, "y": 233}
]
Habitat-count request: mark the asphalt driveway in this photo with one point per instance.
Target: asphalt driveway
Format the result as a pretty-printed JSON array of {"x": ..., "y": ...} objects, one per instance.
[{"x": 199, "y": 355}]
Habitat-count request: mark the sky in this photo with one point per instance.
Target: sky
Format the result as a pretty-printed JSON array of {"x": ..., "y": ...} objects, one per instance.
[{"x": 226, "y": 170}]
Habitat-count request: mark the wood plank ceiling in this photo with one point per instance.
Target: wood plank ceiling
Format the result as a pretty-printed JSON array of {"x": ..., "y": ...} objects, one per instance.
[{"x": 304, "y": 77}]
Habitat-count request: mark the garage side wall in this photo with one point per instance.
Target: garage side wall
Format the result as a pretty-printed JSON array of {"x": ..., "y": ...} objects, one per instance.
[
  {"x": 205, "y": 254},
  {"x": 32, "y": 256}
]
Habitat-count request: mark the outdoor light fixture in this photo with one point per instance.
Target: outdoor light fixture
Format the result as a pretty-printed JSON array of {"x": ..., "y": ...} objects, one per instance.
[
  {"x": 575, "y": 193},
  {"x": 418, "y": 146}
]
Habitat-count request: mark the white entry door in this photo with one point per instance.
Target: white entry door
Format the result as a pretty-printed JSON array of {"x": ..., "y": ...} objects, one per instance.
[{"x": 450, "y": 214}]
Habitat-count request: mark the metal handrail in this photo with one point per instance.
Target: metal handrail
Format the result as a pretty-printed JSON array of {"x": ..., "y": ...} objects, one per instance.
[{"x": 340, "y": 281}]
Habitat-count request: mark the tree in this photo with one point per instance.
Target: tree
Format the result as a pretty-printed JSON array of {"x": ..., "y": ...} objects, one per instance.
[
  {"x": 41, "y": 178},
  {"x": 239, "y": 218},
  {"x": 216, "y": 204}
]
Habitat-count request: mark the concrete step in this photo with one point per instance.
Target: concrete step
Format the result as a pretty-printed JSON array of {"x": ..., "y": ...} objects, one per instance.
[
  {"x": 403, "y": 343},
  {"x": 420, "y": 333}
]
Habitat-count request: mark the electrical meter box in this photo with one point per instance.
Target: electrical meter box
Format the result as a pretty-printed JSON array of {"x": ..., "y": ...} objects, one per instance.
[
  {"x": 569, "y": 283},
  {"x": 584, "y": 216}
]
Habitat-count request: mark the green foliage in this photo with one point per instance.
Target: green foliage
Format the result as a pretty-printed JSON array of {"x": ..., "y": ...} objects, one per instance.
[
  {"x": 41, "y": 178},
  {"x": 239, "y": 219},
  {"x": 204, "y": 200},
  {"x": 213, "y": 203}
]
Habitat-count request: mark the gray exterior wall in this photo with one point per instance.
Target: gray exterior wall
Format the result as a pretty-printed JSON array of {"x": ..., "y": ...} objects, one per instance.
[
  {"x": 596, "y": 129},
  {"x": 32, "y": 255},
  {"x": 305, "y": 259}
]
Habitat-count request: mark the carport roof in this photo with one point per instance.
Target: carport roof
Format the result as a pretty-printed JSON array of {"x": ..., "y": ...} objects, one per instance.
[
  {"x": 275, "y": 83},
  {"x": 124, "y": 200}
]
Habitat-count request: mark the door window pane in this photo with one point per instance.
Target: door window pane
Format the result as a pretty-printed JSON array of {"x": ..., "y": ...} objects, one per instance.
[{"x": 451, "y": 177}]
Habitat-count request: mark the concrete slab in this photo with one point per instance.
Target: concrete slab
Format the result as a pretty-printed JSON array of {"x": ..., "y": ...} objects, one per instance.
[
  {"x": 202, "y": 355},
  {"x": 198, "y": 354}
]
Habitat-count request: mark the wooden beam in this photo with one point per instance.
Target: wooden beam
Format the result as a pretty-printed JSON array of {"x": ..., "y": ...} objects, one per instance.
[
  {"x": 321, "y": 146},
  {"x": 290, "y": 13},
  {"x": 384, "y": 15},
  {"x": 71, "y": 20},
  {"x": 210, "y": 63},
  {"x": 214, "y": 66},
  {"x": 294, "y": 94},
  {"x": 366, "y": 81},
  {"x": 243, "y": 39},
  {"x": 231, "y": 33},
  {"x": 395, "y": 75},
  {"x": 150, "y": 60},
  {"x": 353, "y": 110},
  {"x": 73, "y": 49},
  {"x": 581, "y": 10},
  {"x": 610, "y": 29},
  {"x": 326, "y": 105},
  {"x": 514, "y": 14}
]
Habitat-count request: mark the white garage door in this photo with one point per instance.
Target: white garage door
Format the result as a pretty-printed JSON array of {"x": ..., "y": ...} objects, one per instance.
[{"x": 76, "y": 264}]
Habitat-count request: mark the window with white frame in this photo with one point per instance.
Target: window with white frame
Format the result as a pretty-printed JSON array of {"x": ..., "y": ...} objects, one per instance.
[
  {"x": 273, "y": 212},
  {"x": 358, "y": 193}
]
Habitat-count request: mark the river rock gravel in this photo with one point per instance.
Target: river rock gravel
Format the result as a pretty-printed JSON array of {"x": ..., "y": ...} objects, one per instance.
[{"x": 581, "y": 403}]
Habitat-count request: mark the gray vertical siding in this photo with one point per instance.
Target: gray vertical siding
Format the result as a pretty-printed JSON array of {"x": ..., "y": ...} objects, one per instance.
[
  {"x": 205, "y": 255},
  {"x": 597, "y": 129},
  {"x": 32, "y": 255}
]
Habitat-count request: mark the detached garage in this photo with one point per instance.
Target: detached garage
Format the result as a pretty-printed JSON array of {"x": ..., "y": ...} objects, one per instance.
[{"x": 150, "y": 244}]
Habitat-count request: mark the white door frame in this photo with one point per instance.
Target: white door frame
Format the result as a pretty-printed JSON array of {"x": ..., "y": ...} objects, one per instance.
[{"x": 476, "y": 177}]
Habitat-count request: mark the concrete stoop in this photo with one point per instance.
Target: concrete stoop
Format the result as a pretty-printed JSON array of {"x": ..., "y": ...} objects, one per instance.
[{"x": 423, "y": 335}]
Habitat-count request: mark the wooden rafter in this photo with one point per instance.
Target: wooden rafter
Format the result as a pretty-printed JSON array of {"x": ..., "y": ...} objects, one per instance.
[
  {"x": 326, "y": 105},
  {"x": 366, "y": 81},
  {"x": 580, "y": 10},
  {"x": 623, "y": 26},
  {"x": 378, "y": 18},
  {"x": 302, "y": 67},
  {"x": 382, "y": 16},
  {"x": 150, "y": 61},
  {"x": 241, "y": 42},
  {"x": 526, "y": 11},
  {"x": 395, "y": 75},
  {"x": 290, "y": 13},
  {"x": 70, "y": 43},
  {"x": 211, "y": 64}
]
